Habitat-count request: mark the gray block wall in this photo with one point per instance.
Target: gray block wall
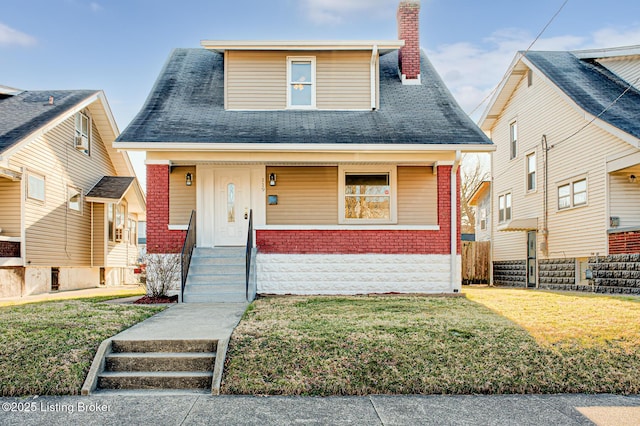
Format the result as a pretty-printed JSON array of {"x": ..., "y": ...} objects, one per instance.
[
  {"x": 557, "y": 274},
  {"x": 512, "y": 273},
  {"x": 618, "y": 273}
]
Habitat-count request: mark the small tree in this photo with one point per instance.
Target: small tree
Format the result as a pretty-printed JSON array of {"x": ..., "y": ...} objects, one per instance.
[
  {"x": 473, "y": 171},
  {"x": 163, "y": 270}
]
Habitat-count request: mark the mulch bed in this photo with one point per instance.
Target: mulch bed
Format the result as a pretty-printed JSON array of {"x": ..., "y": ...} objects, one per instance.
[{"x": 148, "y": 300}]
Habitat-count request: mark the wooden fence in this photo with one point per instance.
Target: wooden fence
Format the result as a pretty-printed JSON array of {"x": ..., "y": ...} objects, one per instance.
[{"x": 475, "y": 262}]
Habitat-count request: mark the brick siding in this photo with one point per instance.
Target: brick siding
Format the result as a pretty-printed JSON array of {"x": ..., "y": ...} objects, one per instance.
[
  {"x": 624, "y": 242},
  {"x": 159, "y": 238},
  {"x": 374, "y": 241}
]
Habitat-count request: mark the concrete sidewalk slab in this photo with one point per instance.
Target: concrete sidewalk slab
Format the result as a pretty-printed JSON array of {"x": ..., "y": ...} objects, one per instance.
[{"x": 511, "y": 410}]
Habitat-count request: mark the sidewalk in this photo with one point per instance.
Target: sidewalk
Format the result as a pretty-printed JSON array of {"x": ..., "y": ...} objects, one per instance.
[
  {"x": 115, "y": 291},
  {"x": 368, "y": 410}
]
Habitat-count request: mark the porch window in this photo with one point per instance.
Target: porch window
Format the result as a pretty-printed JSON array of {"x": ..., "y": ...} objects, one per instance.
[
  {"x": 133, "y": 235},
  {"x": 74, "y": 199},
  {"x": 35, "y": 187},
  {"x": 116, "y": 221},
  {"x": 483, "y": 219},
  {"x": 572, "y": 194},
  {"x": 301, "y": 91},
  {"x": 368, "y": 195},
  {"x": 504, "y": 208}
]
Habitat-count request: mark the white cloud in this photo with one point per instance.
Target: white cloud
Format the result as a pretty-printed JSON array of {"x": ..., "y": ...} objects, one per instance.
[
  {"x": 12, "y": 37},
  {"x": 472, "y": 70},
  {"x": 95, "y": 7},
  {"x": 333, "y": 12}
]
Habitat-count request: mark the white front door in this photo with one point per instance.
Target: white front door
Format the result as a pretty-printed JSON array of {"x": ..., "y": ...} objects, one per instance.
[{"x": 231, "y": 206}]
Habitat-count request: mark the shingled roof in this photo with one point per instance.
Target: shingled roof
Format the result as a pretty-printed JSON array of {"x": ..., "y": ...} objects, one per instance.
[
  {"x": 26, "y": 112},
  {"x": 110, "y": 188},
  {"x": 186, "y": 105},
  {"x": 592, "y": 87}
]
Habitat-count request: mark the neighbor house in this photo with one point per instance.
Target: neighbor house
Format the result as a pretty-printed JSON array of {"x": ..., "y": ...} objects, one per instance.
[
  {"x": 345, "y": 152},
  {"x": 69, "y": 201},
  {"x": 566, "y": 187},
  {"x": 480, "y": 200}
]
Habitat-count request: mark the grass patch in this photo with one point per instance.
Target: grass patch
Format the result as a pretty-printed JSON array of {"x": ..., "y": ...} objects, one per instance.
[
  {"x": 47, "y": 348},
  {"x": 427, "y": 345}
]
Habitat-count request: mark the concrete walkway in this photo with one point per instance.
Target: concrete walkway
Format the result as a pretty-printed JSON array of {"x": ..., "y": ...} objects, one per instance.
[
  {"x": 369, "y": 410},
  {"x": 188, "y": 321}
]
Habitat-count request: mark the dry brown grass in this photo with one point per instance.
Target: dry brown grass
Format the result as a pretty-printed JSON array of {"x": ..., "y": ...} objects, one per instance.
[{"x": 424, "y": 345}]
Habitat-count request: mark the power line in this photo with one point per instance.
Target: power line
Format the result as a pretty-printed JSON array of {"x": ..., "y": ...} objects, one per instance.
[{"x": 506, "y": 75}]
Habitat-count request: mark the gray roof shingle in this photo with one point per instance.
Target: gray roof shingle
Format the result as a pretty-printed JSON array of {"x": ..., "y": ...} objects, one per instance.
[
  {"x": 186, "y": 104},
  {"x": 592, "y": 87},
  {"x": 26, "y": 112},
  {"x": 111, "y": 187}
]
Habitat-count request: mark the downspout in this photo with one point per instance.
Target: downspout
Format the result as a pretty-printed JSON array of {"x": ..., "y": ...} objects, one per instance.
[
  {"x": 92, "y": 230},
  {"x": 545, "y": 225},
  {"x": 454, "y": 222},
  {"x": 374, "y": 57}
]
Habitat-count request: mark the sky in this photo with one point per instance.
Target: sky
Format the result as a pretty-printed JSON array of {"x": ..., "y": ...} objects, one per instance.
[{"x": 120, "y": 46}]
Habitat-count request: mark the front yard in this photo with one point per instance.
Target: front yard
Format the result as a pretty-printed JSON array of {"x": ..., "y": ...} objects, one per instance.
[
  {"x": 47, "y": 348},
  {"x": 494, "y": 341}
]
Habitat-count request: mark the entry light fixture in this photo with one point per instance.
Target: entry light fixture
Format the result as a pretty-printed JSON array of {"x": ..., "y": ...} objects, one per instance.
[
  {"x": 272, "y": 179},
  {"x": 632, "y": 178},
  {"x": 189, "y": 179}
]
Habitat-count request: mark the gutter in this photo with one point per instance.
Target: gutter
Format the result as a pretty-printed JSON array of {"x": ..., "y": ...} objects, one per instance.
[{"x": 454, "y": 223}]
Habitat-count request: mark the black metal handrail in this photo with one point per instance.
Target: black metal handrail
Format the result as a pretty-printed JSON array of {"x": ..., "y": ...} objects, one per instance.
[
  {"x": 248, "y": 254},
  {"x": 187, "y": 250}
]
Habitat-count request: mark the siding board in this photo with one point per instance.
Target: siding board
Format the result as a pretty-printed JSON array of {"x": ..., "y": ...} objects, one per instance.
[
  {"x": 258, "y": 80},
  {"x": 10, "y": 211},
  {"x": 417, "y": 196},
  {"x": 182, "y": 198}
]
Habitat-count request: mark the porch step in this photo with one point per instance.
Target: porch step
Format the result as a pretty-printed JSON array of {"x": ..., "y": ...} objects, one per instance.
[
  {"x": 158, "y": 364},
  {"x": 216, "y": 275}
]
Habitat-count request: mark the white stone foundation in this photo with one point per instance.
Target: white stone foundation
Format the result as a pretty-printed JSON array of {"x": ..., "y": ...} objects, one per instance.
[{"x": 355, "y": 273}]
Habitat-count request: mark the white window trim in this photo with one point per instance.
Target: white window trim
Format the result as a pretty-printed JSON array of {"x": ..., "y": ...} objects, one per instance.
[
  {"x": 290, "y": 60},
  {"x": 571, "y": 182},
  {"x": 78, "y": 132},
  {"x": 393, "y": 199},
  {"x": 527, "y": 171},
  {"x": 44, "y": 191},
  {"x": 505, "y": 220},
  {"x": 513, "y": 152},
  {"x": 80, "y": 204}
]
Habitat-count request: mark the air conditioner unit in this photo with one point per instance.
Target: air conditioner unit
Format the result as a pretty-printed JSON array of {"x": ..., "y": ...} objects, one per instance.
[
  {"x": 119, "y": 234},
  {"x": 82, "y": 143}
]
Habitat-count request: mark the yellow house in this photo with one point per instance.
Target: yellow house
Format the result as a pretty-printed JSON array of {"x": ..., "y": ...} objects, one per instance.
[
  {"x": 70, "y": 203},
  {"x": 344, "y": 153},
  {"x": 566, "y": 187}
]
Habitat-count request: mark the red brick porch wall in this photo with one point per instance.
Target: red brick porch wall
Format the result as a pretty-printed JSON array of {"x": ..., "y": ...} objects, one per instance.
[
  {"x": 624, "y": 242},
  {"x": 374, "y": 241},
  {"x": 159, "y": 238}
]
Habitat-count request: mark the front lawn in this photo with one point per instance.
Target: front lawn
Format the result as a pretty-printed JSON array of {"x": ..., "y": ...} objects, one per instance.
[
  {"x": 47, "y": 348},
  {"x": 520, "y": 342}
]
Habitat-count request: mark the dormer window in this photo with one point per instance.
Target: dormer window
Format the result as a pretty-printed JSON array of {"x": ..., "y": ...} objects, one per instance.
[{"x": 301, "y": 75}]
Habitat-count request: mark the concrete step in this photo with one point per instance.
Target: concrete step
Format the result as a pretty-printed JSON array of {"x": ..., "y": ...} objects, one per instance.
[
  {"x": 155, "y": 380},
  {"x": 221, "y": 287},
  {"x": 214, "y": 297},
  {"x": 164, "y": 345},
  {"x": 204, "y": 269},
  {"x": 219, "y": 252},
  {"x": 160, "y": 361},
  {"x": 216, "y": 278}
]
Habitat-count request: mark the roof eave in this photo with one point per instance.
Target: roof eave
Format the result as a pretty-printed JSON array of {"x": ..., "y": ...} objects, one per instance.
[
  {"x": 284, "y": 147},
  {"x": 383, "y": 46}
]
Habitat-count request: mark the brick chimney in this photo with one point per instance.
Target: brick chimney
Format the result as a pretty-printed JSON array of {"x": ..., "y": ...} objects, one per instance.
[{"x": 408, "y": 30}]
